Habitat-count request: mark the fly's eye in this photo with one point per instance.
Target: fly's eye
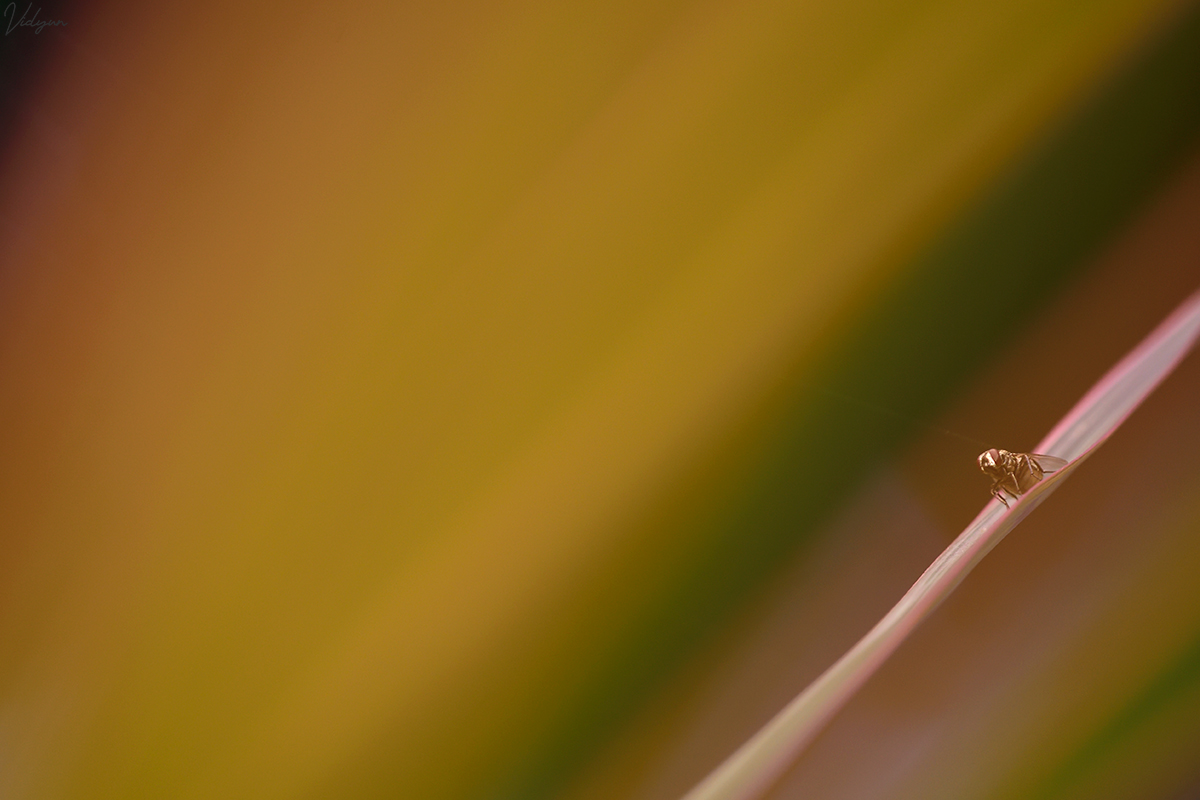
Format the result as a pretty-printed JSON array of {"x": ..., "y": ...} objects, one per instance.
[{"x": 988, "y": 460}]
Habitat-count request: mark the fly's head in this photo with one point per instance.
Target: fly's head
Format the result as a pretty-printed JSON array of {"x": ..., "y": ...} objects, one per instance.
[{"x": 994, "y": 463}]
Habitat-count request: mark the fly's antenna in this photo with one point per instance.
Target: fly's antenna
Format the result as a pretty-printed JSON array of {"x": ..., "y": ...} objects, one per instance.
[{"x": 905, "y": 417}]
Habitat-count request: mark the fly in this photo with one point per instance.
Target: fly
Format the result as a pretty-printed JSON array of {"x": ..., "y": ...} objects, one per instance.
[{"x": 1016, "y": 473}]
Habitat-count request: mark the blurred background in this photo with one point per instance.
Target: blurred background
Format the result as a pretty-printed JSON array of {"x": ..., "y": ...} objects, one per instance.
[{"x": 523, "y": 399}]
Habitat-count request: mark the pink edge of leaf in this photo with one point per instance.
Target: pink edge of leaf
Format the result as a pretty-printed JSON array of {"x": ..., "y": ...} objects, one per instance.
[
  {"x": 758, "y": 763},
  {"x": 1167, "y": 344}
]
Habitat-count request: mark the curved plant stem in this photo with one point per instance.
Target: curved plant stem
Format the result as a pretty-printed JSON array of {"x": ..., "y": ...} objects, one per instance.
[{"x": 754, "y": 767}]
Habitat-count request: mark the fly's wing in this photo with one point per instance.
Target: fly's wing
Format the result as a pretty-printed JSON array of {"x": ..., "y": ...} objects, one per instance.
[{"x": 1048, "y": 463}]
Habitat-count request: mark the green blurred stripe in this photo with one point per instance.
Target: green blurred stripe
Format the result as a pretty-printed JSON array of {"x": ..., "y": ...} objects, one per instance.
[
  {"x": 755, "y": 503},
  {"x": 1146, "y": 717}
]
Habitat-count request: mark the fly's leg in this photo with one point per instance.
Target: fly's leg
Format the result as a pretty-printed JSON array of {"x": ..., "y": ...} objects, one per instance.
[
  {"x": 998, "y": 493},
  {"x": 1035, "y": 469}
]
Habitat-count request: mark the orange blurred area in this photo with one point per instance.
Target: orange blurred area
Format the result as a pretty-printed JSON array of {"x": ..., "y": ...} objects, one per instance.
[{"x": 364, "y": 370}]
